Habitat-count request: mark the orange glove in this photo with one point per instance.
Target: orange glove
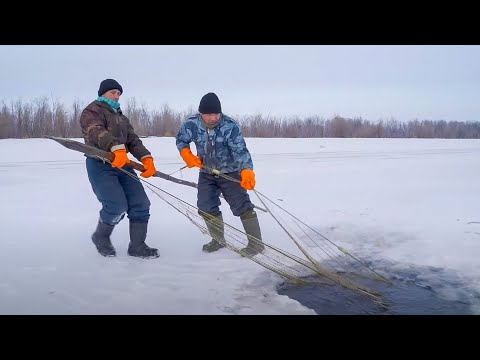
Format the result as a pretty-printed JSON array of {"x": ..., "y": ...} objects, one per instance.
[
  {"x": 120, "y": 159},
  {"x": 190, "y": 159},
  {"x": 149, "y": 167},
  {"x": 248, "y": 179}
]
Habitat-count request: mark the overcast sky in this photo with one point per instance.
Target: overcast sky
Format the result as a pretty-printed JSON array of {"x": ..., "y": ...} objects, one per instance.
[{"x": 374, "y": 82}]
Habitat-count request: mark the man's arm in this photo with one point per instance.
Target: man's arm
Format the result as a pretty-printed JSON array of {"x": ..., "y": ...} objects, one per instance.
[
  {"x": 93, "y": 129},
  {"x": 184, "y": 136},
  {"x": 239, "y": 150}
]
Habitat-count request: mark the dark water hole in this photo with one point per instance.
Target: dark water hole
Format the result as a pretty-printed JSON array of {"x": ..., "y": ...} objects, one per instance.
[{"x": 413, "y": 291}]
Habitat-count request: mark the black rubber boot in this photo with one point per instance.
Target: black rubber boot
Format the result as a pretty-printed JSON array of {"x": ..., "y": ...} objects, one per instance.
[
  {"x": 137, "y": 246},
  {"x": 216, "y": 229},
  {"x": 101, "y": 239},
  {"x": 252, "y": 229}
]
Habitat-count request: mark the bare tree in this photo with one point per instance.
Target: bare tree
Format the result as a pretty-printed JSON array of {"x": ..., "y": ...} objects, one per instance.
[
  {"x": 132, "y": 112},
  {"x": 339, "y": 127},
  {"x": 42, "y": 118},
  {"x": 74, "y": 128},
  {"x": 50, "y": 117},
  {"x": 6, "y": 121}
]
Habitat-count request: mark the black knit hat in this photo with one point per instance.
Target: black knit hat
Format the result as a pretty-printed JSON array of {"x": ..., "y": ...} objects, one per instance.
[
  {"x": 210, "y": 104},
  {"x": 109, "y": 84}
]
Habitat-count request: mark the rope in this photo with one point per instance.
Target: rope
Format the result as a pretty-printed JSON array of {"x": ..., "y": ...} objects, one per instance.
[
  {"x": 289, "y": 266},
  {"x": 341, "y": 249},
  {"x": 316, "y": 266}
]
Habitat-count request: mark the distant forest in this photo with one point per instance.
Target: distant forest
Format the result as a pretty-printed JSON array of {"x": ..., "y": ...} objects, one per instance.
[{"x": 45, "y": 116}]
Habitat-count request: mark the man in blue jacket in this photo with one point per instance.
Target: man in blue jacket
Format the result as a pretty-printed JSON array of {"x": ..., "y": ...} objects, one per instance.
[{"x": 220, "y": 147}]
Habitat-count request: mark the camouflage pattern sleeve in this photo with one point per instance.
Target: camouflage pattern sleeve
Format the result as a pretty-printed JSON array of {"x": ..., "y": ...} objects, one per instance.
[
  {"x": 239, "y": 150},
  {"x": 94, "y": 131},
  {"x": 184, "y": 136}
]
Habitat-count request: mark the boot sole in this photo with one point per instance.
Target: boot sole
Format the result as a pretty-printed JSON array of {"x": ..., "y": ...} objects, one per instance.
[
  {"x": 145, "y": 257},
  {"x": 210, "y": 251},
  {"x": 108, "y": 255}
]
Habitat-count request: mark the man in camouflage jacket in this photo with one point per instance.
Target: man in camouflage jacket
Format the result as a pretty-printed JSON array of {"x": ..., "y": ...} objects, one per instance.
[{"x": 221, "y": 148}]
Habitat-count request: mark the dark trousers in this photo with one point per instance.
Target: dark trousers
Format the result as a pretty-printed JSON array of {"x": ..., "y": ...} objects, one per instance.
[
  {"x": 118, "y": 193},
  {"x": 210, "y": 187}
]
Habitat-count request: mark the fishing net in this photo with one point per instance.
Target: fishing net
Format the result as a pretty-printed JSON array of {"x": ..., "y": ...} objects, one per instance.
[
  {"x": 322, "y": 263},
  {"x": 319, "y": 261}
]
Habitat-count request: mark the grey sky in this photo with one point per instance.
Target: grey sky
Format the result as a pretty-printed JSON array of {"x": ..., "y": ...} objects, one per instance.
[{"x": 373, "y": 82}]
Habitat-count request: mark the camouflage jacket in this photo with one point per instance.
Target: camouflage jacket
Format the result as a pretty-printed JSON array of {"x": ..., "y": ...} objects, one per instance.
[
  {"x": 222, "y": 148},
  {"x": 110, "y": 130}
]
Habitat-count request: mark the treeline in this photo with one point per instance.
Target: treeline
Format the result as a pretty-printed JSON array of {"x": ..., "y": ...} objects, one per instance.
[
  {"x": 340, "y": 127},
  {"x": 45, "y": 116}
]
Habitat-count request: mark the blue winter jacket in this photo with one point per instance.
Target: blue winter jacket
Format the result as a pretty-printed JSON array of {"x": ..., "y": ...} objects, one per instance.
[{"x": 222, "y": 148}]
